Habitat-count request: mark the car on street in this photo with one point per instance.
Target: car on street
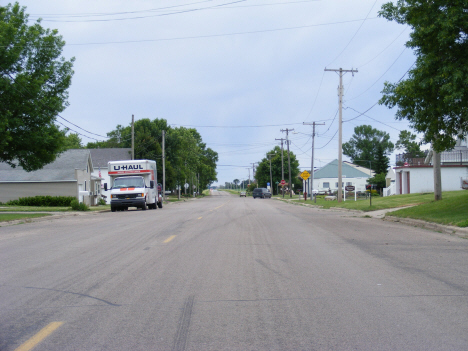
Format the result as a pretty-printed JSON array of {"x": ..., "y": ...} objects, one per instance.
[
  {"x": 261, "y": 193},
  {"x": 243, "y": 193}
]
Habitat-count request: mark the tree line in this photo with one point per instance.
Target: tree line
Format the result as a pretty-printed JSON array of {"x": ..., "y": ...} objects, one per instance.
[{"x": 187, "y": 157}]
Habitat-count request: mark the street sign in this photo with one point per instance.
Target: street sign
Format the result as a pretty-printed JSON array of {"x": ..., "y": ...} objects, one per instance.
[
  {"x": 349, "y": 188},
  {"x": 283, "y": 182},
  {"x": 305, "y": 175}
]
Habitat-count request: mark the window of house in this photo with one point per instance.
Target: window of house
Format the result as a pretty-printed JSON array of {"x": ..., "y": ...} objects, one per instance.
[
  {"x": 349, "y": 183},
  {"x": 326, "y": 184},
  {"x": 85, "y": 185},
  {"x": 336, "y": 184}
]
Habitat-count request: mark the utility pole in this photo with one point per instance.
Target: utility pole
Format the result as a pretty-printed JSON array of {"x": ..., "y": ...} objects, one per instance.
[
  {"x": 340, "y": 128},
  {"x": 163, "y": 165},
  {"x": 271, "y": 178},
  {"x": 253, "y": 171},
  {"x": 311, "y": 187},
  {"x": 282, "y": 166},
  {"x": 133, "y": 138},
  {"x": 249, "y": 174},
  {"x": 289, "y": 159}
]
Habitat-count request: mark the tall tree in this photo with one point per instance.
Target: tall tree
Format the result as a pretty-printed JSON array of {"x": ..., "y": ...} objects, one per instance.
[
  {"x": 381, "y": 160},
  {"x": 262, "y": 174},
  {"x": 34, "y": 82},
  {"x": 364, "y": 145},
  {"x": 72, "y": 141},
  {"x": 434, "y": 98},
  {"x": 407, "y": 142}
]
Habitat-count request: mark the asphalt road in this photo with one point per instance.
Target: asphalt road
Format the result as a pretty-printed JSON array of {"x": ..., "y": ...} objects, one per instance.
[{"x": 230, "y": 273}]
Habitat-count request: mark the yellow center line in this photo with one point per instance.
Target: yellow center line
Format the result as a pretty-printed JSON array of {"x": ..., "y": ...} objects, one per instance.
[
  {"x": 199, "y": 217},
  {"x": 41, "y": 335},
  {"x": 169, "y": 239}
]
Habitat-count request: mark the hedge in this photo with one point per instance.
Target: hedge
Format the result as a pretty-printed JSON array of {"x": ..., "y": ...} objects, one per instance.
[{"x": 49, "y": 201}]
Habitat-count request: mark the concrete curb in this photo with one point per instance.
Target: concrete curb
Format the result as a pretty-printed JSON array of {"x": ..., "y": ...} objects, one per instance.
[{"x": 447, "y": 229}]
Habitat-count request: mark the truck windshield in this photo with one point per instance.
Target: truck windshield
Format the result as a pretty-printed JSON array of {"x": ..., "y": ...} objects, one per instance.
[{"x": 129, "y": 182}]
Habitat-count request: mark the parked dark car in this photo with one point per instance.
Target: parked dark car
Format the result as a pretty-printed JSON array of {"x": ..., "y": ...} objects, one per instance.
[{"x": 261, "y": 193}]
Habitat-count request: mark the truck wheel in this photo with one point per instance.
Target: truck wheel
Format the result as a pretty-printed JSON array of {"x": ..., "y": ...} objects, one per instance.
[
  {"x": 144, "y": 206},
  {"x": 160, "y": 204},
  {"x": 112, "y": 208}
]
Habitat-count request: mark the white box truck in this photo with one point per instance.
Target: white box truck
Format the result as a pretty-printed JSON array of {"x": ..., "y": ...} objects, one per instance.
[{"x": 133, "y": 183}]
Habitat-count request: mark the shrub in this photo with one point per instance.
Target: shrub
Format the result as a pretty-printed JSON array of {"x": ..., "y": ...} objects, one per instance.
[
  {"x": 78, "y": 206},
  {"x": 102, "y": 202},
  {"x": 49, "y": 201}
]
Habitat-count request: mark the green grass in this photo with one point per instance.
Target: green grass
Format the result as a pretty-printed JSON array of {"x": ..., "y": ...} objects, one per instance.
[
  {"x": 4, "y": 217},
  {"x": 380, "y": 203},
  {"x": 5, "y": 208},
  {"x": 33, "y": 209},
  {"x": 452, "y": 210}
]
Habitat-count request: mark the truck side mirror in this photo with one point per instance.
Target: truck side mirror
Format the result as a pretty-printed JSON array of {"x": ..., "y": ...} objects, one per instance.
[
  {"x": 151, "y": 184},
  {"x": 105, "y": 186}
]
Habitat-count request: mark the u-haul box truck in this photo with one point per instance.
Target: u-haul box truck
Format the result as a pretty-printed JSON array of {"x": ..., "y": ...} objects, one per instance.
[{"x": 133, "y": 183}]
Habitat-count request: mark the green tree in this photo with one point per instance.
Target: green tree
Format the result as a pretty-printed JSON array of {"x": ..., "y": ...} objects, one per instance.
[
  {"x": 434, "y": 97},
  {"x": 187, "y": 157},
  {"x": 411, "y": 148},
  {"x": 34, "y": 82},
  {"x": 364, "y": 145},
  {"x": 379, "y": 180},
  {"x": 381, "y": 160},
  {"x": 72, "y": 141},
  {"x": 262, "y": 174}
]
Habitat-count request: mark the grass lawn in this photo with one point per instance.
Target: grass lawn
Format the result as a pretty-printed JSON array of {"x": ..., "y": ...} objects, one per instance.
[
  {"x": 452, "y": 209},
  {"x": 15, "y": 216},
  {"x": 47, "y": 209}
]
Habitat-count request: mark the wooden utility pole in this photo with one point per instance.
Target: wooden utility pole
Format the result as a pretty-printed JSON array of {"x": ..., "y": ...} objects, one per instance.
[
  {"x": 133, "y": 137},
  {"x": 311, "y": 188},
  {"x": 282, "y": 166},
  {"x": 271, "y": 178},
  {"x": 340, "y": 128},
  {"x": 289, "y": 159},
  {"x": 164, "y": 165}
]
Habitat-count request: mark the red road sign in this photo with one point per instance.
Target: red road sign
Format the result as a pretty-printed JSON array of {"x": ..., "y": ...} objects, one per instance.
[{"x": 283, "y": 182}]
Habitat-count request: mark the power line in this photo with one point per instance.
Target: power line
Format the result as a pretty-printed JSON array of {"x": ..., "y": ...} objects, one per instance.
[
  {"x": 364, "y": 20},
  {"x": 216, "y": 35},
  {"x": 215, "y": 7}
]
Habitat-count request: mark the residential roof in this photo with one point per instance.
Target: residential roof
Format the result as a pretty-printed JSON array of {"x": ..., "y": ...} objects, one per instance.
[
  {"x": 62, "y": 169},
  {"x": 101, "y": 157},
  {"x": 348, "y": 170}
]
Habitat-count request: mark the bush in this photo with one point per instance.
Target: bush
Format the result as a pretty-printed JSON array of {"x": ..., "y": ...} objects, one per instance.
[
  {"x": 49, "y": 201},
  {"x": 78, "y": 206},
  {"x": 102, "y": 202}
]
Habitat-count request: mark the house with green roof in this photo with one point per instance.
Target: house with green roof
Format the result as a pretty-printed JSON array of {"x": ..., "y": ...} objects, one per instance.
[{"x": 326, "y": 178}]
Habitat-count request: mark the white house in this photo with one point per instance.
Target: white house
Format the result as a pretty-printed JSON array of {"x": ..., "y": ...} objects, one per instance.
[
  {"x": 69, "y": 175},
  {"x": 326, "y": 178},
  {"x": 100, "y": 158},
  {"x": 419, "y": 177}
]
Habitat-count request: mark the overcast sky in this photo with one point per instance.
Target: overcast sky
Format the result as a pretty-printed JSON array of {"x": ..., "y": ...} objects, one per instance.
[{"x": 237, "y": 71}]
